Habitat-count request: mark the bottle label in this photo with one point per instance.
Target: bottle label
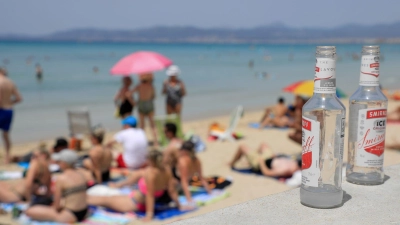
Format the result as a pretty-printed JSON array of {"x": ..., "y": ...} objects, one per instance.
[
  {"x": 325, "y": 76},
  {"x": 371, "y": 137},
  {"x": 310, "y": 154},
  {"x": 369, "y": 72}
]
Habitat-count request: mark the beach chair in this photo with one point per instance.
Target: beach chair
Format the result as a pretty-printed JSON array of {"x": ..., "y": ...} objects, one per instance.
[
  {"x": 160, "y": 122},
  {"x": 79, "y": 122},
  {"x": 236, "y": 114}
]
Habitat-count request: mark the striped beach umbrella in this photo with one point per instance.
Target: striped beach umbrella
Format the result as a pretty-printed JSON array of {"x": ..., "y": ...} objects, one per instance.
[{"x": 306, "y": 88}]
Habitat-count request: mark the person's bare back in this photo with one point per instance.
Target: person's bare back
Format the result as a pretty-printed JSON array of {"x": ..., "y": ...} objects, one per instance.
[
  {"x": 279, "y": 110},
  {"x": 9, "y": 94},
  {"x": 145, "y": 91}
]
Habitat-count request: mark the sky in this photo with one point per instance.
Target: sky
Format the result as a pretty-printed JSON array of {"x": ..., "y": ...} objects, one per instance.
[{"x": 38, "y": 17}]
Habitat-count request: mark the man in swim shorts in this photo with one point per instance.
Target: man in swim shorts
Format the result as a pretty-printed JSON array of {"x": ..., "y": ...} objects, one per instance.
[{"x": 9, "y": 96}]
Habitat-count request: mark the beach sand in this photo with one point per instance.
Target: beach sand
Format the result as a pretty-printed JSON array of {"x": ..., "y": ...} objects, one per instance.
[{"x": 217, "y": 155}]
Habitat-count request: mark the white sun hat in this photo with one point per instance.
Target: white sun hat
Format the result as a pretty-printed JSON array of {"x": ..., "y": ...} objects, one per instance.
[{"x": 173, "y": 71}]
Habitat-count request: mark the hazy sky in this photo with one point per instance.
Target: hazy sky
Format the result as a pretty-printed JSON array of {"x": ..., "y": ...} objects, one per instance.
[{"x": 46, "y": 16}]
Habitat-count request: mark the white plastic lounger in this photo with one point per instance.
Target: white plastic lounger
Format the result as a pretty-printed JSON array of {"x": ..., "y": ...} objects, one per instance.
[
  {"x": 79, "y": 122},
  {"x": 236, "y": 114}
]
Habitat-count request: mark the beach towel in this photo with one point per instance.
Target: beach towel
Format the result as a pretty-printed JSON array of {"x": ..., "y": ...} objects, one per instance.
[
  {"x": 52, "y": 167},
  {"x": 248, "y": 171},
  {"x": 258, "y": 173},
  {"x": 11, "y": 175},
  {"x": 200, "y": 198},
  {"x": 257, "y": 126},
  {"x": 214, "y": 182},
  {"x": 104, "y": 190},
  {"x": 98, "y": 217}
]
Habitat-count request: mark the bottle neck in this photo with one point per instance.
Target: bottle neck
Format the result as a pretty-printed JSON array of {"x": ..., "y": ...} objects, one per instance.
[
  {"x": 369, "y": 71},
  {"x": 324, "y": 95},
  {"x": 325, "y": 75}
]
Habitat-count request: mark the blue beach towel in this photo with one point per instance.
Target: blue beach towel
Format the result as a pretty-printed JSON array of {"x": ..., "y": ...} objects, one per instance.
[{"x": 257, "y": 126}]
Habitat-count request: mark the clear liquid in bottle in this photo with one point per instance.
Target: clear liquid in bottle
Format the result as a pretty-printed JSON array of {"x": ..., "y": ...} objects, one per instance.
[
  {"x": 367, "y": 124},
  {"x": 323, "y": 133}
]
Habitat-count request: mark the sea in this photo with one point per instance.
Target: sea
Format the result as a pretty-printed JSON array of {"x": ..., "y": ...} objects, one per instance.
[{"x": 218, "y": 77}]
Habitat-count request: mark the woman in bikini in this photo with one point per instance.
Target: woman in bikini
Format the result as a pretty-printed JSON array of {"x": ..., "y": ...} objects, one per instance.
[
  {"x": 266, "y": 162},
  {"x": 100, "y": 158},
  {"x": 174, "y": 89},
  {"x": 153, "y": 182},
  {"x": 147, "y": 95},
  {"x": 35, "y": 188},
  {"x": 123, "y": 99},
  {"x": 70, "y": 189},
  {"x": 188, "y": 166}
]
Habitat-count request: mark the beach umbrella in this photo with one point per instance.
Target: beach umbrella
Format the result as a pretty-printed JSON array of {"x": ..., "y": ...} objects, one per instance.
[
  {"x": 141, "y": 62},
  {"x": 306, "y": 88}
]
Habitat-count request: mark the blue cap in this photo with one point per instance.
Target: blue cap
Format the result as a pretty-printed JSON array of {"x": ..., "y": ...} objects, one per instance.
[{"x": 130, "y": 120}]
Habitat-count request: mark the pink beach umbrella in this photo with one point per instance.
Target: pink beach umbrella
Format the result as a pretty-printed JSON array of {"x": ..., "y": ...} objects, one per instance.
[{"x": 140, "y": 63}]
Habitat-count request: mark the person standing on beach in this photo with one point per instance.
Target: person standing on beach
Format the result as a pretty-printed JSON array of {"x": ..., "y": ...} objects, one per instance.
[
  {"x": 39, "y": 72},
  {"x": 147, "y": 94},
  {"x": 9, "y": 96},
  {"x": 123, "y": 99},
  {"x": 174, "y": 89}
]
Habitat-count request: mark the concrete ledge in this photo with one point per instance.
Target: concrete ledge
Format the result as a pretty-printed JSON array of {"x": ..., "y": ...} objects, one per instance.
[{"x": 362, "y": 205}]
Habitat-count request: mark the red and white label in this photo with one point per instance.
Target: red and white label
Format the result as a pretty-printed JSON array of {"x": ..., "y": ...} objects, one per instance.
[
  {"x": 369, "y": 72},
  {"x": 310, "y": 154},
  {"x": 371, "y": 137},
  {"x": 325, "y": 76}
]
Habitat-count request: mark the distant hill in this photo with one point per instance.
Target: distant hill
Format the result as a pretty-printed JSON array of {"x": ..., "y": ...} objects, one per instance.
[{"x": 274, "y": 33}]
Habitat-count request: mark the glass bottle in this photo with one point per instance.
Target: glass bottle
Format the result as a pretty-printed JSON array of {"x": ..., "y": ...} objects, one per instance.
[
  {"x": 322, "y": 133},
  {"x": 367, "y": 124}
]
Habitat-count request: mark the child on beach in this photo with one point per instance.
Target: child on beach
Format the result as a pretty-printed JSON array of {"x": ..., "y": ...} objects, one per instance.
[{"x": 146, "y": 92}]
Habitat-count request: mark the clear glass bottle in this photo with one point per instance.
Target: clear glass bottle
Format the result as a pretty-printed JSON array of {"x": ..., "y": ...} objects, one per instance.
[
  {"x": 323, "y": 133},
  {"x": 367, "y": 124}
]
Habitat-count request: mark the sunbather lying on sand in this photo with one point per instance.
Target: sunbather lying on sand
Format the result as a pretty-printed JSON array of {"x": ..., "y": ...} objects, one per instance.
[
  {"x": 153, "y": 182},
  {"x": 266, "y": 162},
  {"x": 36, "y": 183}
]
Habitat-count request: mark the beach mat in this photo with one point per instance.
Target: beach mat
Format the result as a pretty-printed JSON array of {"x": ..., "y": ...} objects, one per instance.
[
  {"x": 98, "y": 217},
  {"x": 200, "y": 198},
  {"x": 214, "y": 182},
  {"x": 11, "y": 175},
  {"x": 248, "y": 171},
  {"x": 52, "y": 167},
  {"x": 257, "y": 126},
  {"x": 165, "y": 214},
  {"x": 257, "y": 173},
  {"x": 203, "y": 198}
]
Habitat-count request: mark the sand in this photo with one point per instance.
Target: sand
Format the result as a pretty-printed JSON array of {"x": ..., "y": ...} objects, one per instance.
[{"x": 218, "y": 154}]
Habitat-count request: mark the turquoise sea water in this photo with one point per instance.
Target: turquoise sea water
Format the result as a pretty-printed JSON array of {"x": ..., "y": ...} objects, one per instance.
[{"x": 217, "y": 78}]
